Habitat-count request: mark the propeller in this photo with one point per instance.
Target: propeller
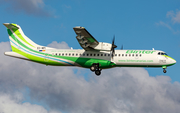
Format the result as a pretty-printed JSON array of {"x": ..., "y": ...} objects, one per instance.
[
  {"x": 122, "y": 47},
  {"x": 113, "y": 47}
]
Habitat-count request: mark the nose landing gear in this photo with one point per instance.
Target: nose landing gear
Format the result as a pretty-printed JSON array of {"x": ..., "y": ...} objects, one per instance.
[
  {"x": 95, "y": 67},
  {"x": 164, "y": 69}
]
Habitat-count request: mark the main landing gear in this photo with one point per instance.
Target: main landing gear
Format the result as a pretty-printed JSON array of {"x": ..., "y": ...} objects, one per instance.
[{"x": 95, "y": 67}]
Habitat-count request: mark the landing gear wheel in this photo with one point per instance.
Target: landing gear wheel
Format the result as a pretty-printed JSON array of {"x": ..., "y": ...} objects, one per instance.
[
  {"x": 93, "y": 68},
  {"x": 97, "y": 72},
  {"x": 164, "y": 71}
]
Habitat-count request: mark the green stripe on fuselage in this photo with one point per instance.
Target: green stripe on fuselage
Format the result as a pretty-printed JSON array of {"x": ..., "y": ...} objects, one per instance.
[
  {"x": 144, "y": 65},
  {"x": 168, "y": 57},
  {"x": 37, "y": 59},
  {"x": 16, "y": 31},
  {"x": 20, "y": 43}
]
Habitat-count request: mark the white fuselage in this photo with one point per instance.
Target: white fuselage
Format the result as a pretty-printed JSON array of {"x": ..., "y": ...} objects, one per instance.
[{"x": 144, "y": 58}]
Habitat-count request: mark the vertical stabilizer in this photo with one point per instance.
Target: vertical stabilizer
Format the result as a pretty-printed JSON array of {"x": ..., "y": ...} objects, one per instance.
[{"x": 18, "y": 39}]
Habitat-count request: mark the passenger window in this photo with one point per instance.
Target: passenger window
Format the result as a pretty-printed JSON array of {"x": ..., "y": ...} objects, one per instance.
[
  {"x": 129, "y": 54},
  {"x": 108, "y": 54},
  {"x": 90, "y": 54},
  {"x": 122, "y": 54},
  {"x": 69, "y": 54},
  {"x": 87, "y": 54},
  {"x": 101, "y": 54},
  {"x": 76, "y": 54},
  {"x": 83, "y": 54},
  {"x": 159, "y": 53},
  {"x": 66, "y": 54},
  {"x": 73, "y": 54},
  {"x": 140, "y": 55},
  {"x": 132, "y": 54},
  {"x": 115, "y": 54},
  {"x": 97, "y": 54},
  {"x": 59, "y": 54},
  {"x": 105, "y": 54},
  {"x": 126, "y": 55},
  {"x": 119, "y": 54},
  {"x": 136, "y": 54},
  {"x": 43, "y": 47},
  {"x": 63, "y": 54},
  {"x": 94, "y": 54}
]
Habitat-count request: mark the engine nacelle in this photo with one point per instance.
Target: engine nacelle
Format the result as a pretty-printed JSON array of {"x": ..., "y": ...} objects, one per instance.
[{"x": 103, "y": 46}]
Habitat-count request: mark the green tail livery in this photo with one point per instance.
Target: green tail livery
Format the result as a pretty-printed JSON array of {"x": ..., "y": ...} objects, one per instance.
[{"x": 94, "y": 55}]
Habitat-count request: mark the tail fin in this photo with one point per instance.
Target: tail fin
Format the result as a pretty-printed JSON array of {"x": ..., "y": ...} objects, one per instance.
[{"x": 18, "y": 39}]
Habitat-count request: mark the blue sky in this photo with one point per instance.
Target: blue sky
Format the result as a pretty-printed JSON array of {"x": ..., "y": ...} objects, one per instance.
[{"x": 135, "y": 24}]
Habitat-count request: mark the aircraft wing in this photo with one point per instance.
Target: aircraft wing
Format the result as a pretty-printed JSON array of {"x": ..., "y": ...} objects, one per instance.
[{"x": 85, "y": 39}]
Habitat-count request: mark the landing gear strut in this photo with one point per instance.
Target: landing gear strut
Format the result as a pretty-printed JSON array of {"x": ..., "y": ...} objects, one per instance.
[
  {"x": 95, "y": 67},
  {"x": 164, "y": 69}
]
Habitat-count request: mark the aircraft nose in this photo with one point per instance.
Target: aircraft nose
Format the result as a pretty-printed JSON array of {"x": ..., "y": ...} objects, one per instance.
[{"x": 174, "y": 61}]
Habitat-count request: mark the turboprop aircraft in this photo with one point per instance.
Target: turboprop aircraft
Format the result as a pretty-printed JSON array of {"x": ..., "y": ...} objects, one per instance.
[{"x": 94, "y": 55}]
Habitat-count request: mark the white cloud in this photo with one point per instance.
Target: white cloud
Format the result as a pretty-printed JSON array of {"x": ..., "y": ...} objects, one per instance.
[
  {"x": 66, "y": 8},
  {"x": 32, "y": 7},
  {"x": 164, "y": 24},
  {"x": 175, "y": 17},
  {"x": 10, "y": 104},
  {"x": 161, "y": 23},
  {"x": 118, "y": 90},
  {"x": 60, "y": 45}
]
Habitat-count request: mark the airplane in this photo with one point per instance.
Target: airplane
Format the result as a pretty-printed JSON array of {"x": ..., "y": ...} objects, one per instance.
[{"x": 94, "y": 55}]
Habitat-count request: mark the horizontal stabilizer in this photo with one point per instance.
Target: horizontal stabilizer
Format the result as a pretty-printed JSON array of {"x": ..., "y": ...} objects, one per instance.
[
  {"x": 14, "y": 54},
  {"x": 10, "y": 26}
]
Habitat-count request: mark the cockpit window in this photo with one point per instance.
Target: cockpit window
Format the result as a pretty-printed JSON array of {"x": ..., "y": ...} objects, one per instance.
[{"x": 161, "y": 53}]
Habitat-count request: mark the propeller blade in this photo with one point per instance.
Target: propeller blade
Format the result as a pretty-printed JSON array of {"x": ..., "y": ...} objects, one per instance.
[
  {"x": 113, "y": 40},
  {"x": 112, "y": 47},
  {"x": 122, "y": 47}
]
